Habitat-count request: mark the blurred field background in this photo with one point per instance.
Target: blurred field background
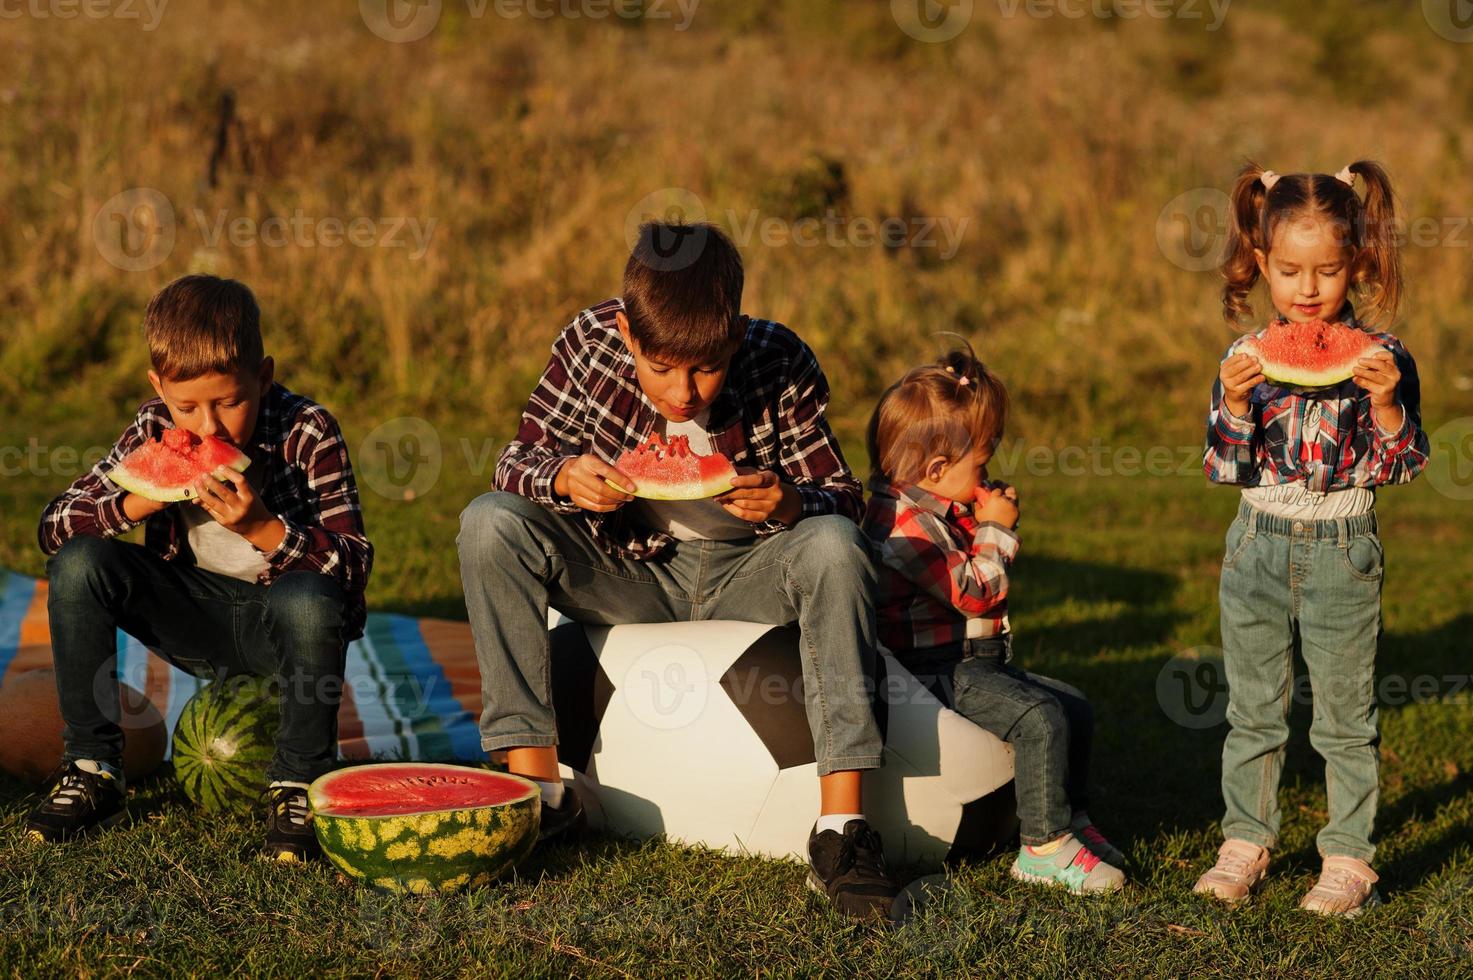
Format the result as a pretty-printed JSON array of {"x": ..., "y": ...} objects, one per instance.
[{"x": 1078, "y": 161}]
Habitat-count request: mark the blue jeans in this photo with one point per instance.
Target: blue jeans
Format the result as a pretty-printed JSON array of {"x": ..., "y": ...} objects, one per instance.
[
  {"x": 203, "y": 623},
  {"x": 1319, "y": 581},
  {"x": 517, "y": 558},
  {"x": 1049, "y": 724}
]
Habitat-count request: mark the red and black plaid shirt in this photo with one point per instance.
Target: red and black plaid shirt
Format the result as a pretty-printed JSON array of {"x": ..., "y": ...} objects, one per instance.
[
  {"x": 943, "y": 577},
  {"x": 769, "y": 415},
  {"x": 306, "y": 481}
]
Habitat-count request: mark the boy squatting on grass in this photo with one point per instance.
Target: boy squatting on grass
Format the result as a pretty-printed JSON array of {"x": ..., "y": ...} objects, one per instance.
[
  {"x": 676, "y": 356},
  {"x": 1303, "y": 556},
  {"x": 947, "y": 539},
  {"x": 261, "y": 576}
]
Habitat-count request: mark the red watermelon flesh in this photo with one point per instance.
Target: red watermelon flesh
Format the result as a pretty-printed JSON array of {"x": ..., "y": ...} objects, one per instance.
[
  {"x": 165, "y": 469},
  {"x": 1315, "y": 354},
  {"x": 398, "y": 789},
  {"x": 673, "y": 471}
]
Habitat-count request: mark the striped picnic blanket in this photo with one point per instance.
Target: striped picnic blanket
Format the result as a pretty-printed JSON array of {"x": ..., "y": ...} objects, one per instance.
[{"x": 412, "y": 687}]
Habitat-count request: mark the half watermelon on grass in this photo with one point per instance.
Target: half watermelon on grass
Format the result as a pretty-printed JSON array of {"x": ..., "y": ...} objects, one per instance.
[
  {"x": 673, "y": 471},
  {"x": 1315, "y": 354},
  {"x": 424, "y": 827},
  {"x": 165, "y": 469}
]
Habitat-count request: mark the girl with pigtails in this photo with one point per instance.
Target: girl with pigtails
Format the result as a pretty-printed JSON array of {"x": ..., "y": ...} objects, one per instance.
[{"x": 1303, "y": 558}]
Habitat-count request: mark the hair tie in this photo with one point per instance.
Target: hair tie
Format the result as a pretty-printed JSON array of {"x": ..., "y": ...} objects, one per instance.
[
  {"x": 1346, "y": 177},
  {"x": 963, "y": 381},
  {"x": 1269, "y": 179}
]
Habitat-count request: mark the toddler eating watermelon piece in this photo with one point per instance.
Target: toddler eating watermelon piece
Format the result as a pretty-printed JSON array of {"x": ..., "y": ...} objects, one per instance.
[
  {"x": 254, "y": 559},
  {"x": 675, "y": 463}
]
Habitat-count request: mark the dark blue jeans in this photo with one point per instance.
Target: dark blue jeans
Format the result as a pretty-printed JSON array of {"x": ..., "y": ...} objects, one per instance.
[
  {"x": 1049, "y": 724},
  {"x": 203, "y": 623}
]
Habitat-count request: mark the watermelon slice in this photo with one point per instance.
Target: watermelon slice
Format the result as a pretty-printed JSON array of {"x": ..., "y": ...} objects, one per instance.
[
  {"x": 673, "y": 471},
  {"x": 424, "y": 827},
  {"x": 165, "y": 469},
  {"x": 1315, "y": 354}
]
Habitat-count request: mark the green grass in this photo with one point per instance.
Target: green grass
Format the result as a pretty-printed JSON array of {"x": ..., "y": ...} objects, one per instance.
[{"x": 1118, "y": 575}]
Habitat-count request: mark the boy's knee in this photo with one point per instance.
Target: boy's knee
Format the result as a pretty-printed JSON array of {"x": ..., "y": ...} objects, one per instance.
[
  {"x": 81, "y": 563},
  {"x": 305, "y": 604},
  {"x": 831, "y": 542},
  {"x": 493, "y": 519}
]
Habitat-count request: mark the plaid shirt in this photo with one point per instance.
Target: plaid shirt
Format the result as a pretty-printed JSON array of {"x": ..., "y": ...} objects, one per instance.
[
  {"x": 306, "y": 481},
  {"x": 1326, "y": 438},
  {"x": 768, "y": 415},
  {"x": 938, "y": 569}
]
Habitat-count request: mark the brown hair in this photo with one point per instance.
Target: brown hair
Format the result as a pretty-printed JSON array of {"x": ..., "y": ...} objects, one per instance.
[
  {"x": 1368, "y": 227},
  {"x": 943, "y": 409},
  {"x": 203, "y": 325},
  {"x": 683, "y": 293}
]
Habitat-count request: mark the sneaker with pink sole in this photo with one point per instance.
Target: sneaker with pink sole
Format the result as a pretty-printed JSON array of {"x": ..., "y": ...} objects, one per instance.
[
  {"x": 1241, "y": 867},
  {"x": 1347, "y": 887}
]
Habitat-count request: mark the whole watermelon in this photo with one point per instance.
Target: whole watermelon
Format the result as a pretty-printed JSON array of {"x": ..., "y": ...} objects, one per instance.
[{"x": 224, "y": 741}]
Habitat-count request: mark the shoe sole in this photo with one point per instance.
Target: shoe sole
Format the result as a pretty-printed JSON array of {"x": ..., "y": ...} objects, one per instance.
[
  {"x": 1020, "y": 875},
  {"x": 880, "y": 916},
  {"x": 36, "y": 836},
  {"x": 1253, "y": 886}
]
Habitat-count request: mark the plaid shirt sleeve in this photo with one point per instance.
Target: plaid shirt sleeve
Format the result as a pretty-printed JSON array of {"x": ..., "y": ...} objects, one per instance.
[
  {"x": 552, "y": 426},
  {"x": 333, "y": 543},
  {"x": 93, "y": 504},
  {"x": 1397, "y": 457},
  {"x": 810, "y": 453},
  {"x": 973, "y": 582},
  {"x": 1230, "y": 456}
]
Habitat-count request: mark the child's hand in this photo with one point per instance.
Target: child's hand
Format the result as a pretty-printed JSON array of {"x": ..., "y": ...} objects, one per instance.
[
  {"x": 581, "y": 480},
  {"x": 138, "y": 508},
  {"x": 1239, "y": 375},
  {"x": 235, "y": 507},
  {"x": 983, "y": 492},
  {"x": 1379, "y": 375},
  {"x": 997, "y": 506},
  {"x": 758, "y": 496}
]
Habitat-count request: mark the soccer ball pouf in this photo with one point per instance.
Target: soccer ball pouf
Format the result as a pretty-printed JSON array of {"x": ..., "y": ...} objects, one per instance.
[{"x": 697, "y": 730}]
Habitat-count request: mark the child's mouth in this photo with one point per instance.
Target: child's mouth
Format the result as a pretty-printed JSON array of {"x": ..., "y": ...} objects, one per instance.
[{"x": 1308, "y": 309}]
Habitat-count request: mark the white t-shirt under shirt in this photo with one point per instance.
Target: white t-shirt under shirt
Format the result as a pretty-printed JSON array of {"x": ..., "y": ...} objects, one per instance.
[
  {"x": 690, "y": 520},
  {"x": 1296, "y": 502},
  {"x": 219, "y": 549}
]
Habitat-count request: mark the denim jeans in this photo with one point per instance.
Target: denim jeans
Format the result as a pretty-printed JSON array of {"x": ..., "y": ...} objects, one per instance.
[
  {"x": 203, "y": 623},
  {"x": 1321, "y": 581},
  {"x": 517, "y": 558},
  {"x": 1049, "y": 724}
]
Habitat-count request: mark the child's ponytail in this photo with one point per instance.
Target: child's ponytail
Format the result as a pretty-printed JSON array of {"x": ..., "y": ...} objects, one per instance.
[
  {"x": 1377, "y": 269},
  {"x": 1245, "y": 222}
]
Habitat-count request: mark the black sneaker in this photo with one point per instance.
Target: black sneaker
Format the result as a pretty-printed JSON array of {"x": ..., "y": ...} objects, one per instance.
[
  {"x": 849, "y": 869},
  {"x": 290, "y": 838},
  {"x": 567, "y": 818},
  {"x": 80, "y": 796}
]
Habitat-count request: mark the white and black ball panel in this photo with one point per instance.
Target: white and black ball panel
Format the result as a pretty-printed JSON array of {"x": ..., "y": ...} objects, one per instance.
[
  {"x": 581, "y": 691},
  {"x": 704, "y": 737}
]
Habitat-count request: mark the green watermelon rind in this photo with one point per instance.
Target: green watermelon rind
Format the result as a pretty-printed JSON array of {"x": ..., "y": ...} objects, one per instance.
[
  {"x": 123, "y": 477},
  {"x": 219, "y": 785},
  {"x": 435, "y": 851},
  {"x": 700, "y": 491}
]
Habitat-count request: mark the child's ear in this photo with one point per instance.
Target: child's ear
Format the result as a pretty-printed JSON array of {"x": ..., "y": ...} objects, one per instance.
[
  {"x": 266, "y": 375},
  {"x": 623, "y": 322},
  {"x": 1262, "y": 259},
  {"x": 937, "y": 468},
  {"x": 156, "y": 381}
]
